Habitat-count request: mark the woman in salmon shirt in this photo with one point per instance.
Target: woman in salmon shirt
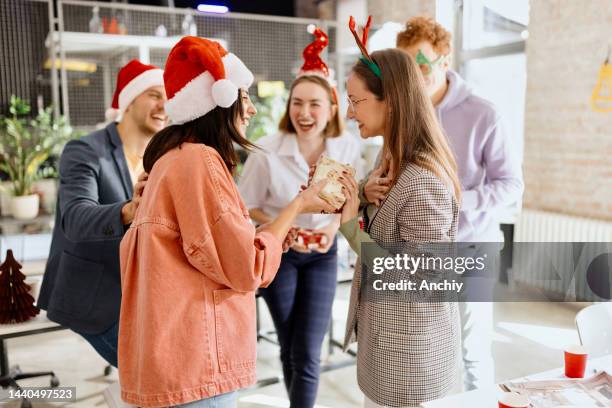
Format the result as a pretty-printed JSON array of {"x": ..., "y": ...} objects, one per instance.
[{"x": 191, "y": 260}]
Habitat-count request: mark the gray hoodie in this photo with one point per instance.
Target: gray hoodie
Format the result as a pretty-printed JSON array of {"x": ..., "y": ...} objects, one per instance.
[{"x": 489, "y": 166}]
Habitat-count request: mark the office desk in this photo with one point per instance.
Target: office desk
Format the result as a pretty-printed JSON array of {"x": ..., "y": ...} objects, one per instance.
[
  {"x": 487, "y": 397},
  {"x": 40, "y": 324}
]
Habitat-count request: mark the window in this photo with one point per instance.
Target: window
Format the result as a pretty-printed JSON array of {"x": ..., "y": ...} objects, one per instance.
[
  {"x": 508, "y": 95},
  {"x": 490, "y": 39},
  {"x": 490, "y": 23}
]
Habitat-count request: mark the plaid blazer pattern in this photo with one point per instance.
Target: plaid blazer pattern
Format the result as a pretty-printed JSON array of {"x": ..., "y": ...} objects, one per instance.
[{"x": 407, "y": 352}]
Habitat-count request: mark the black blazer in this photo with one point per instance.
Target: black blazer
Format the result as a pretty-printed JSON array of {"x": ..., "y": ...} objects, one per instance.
[{"x": 81, "y": 287}]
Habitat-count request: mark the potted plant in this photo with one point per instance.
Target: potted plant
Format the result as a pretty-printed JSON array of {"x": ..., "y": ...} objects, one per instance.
[{"x": 25, "y": 144}]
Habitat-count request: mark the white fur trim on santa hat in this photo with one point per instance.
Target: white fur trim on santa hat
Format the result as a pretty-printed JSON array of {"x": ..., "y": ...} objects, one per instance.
[
  {"x": 224, "y": 93},
  {"x": 144, "y": 81},
  {"x": 112, "y": 115},
  {"x": 237, "y": 72},
  {"x": 202, "y": 94},
  {"x": 193, "y": 100}
]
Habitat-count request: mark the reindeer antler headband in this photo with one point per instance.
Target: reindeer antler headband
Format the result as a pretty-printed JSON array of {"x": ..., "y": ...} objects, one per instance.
[{"x": 362, "y": 42}]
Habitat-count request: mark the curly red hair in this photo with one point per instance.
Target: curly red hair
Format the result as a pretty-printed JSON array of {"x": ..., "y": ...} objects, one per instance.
[{"x": 423, "y": 28}]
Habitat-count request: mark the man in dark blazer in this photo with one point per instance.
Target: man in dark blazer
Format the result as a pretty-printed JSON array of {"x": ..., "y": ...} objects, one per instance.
[{"x": 99, "y": 190}]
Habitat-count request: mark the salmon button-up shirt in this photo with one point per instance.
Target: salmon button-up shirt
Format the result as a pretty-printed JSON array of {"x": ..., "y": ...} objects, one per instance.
[{"x": 190, "y": 264}]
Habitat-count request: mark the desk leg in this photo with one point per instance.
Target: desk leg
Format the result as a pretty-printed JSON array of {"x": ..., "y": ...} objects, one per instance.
[
  {"x": 4, "y": 365},
  {"x": 506, "y": 254}
]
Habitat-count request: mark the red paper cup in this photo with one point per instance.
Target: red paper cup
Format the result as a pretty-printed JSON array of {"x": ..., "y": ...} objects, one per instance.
[
  {"x": 513, "y": 400},
  {"x": 575, "y": 361}
]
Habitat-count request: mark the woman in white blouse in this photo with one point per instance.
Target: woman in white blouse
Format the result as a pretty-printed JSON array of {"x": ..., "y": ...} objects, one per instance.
[{"x": 301, "y": 296}]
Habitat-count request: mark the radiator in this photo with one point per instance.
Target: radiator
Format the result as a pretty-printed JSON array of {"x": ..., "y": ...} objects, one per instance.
[{"x": 540, "y": 226}]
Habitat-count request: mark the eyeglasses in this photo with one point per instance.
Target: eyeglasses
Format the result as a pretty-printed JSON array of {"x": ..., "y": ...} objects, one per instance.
[
  {"x": 353, "y": 104},
  {"x": 425, "y": 64}
]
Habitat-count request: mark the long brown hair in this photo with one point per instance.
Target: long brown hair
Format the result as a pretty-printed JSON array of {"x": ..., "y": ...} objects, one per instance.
[
  {"x": 334, "y": 127},
  {"x": 413, "y": 134},
  {"x": 216, "y": 129}
]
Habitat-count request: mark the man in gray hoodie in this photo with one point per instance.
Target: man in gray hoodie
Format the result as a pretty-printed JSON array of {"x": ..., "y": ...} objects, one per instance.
[{"x": 489, "y": 170}]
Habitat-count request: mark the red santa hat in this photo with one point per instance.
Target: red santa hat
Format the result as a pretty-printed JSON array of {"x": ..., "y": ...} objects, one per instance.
[
  {"x": 133, "y": 79},
  {"x": 313, "y": 63},
  {"x": 201, "y": 75}
]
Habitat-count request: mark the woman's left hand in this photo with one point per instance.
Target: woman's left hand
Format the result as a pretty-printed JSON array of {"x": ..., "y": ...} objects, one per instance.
[
  {"x": 311, "y": 172},
  {"x": 311, "y": 202},
  {"x": 351, "y": 192}
]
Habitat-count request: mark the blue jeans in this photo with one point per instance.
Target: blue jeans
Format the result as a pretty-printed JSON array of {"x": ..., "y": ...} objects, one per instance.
[
  {"x": 105, "y": 343},
  {"x": 300, "y": 300},
  {"x": 227, "y": 400}
]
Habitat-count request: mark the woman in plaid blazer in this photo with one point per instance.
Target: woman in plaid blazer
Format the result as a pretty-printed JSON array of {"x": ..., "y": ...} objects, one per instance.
[{"x": 407, "y": 350}]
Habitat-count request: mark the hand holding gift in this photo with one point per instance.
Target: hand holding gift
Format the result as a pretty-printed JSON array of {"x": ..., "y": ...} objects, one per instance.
[
  {"x": 310, "y": 199},
  {"x": 350, "y": 189},
  {"x": 331, "y": 170}
]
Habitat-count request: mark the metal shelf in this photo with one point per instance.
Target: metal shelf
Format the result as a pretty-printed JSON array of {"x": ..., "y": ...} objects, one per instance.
[
  {"x": 110, "y": 44},
  {"x": 43, "y": 223}
]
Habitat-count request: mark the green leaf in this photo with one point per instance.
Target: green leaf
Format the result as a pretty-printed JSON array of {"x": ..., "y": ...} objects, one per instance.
[
  {"x": 18, "y": 106},
  {"x": 26, "y": 143}
]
